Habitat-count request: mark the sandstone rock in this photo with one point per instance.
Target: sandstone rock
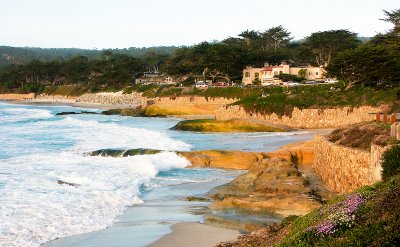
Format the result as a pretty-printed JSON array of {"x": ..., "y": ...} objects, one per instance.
[
  {"x": 237, "y": 160},
  {"x": 272, "y": 184}
]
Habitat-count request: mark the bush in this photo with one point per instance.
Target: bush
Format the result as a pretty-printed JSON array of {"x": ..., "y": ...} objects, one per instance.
[
  {"x": 290, "y": 77},
  {"x": 391, "y": 162}
]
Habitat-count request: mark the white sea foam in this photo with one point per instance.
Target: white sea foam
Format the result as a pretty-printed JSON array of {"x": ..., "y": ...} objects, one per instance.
[
  {"x": 92, "y": 135},
  {"x": 50, "y": 189},
  {"x": 11, "y": 115},
  {"x": 35, "y": 208}
]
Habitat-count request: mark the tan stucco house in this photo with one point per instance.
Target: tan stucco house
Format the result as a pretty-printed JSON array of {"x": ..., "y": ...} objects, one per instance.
[{"x": 267, "y": 74}]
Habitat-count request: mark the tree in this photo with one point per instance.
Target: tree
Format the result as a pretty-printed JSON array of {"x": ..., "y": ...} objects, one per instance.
[
  {"x": 275, "y": 37},
  {"x": 325, "y": 45},
  {"x": 249, "y": 36},
  {"x": 302, "y": 73},
  {"x": 394, "y": 18}
]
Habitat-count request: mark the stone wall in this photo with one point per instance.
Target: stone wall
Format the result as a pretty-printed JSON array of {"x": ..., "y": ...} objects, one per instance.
[
  {"x": 305, "y": 118},
  {"x": 194, "y": 100},
  {"x": 345, "y": 169},
  {"x": 376, "y": 162},
  {"x": 55, "y": 97},
  {"x": 13, "y": 96},
  {"x": 395, "y": 131},
  {"x": 133, "y": 99}
]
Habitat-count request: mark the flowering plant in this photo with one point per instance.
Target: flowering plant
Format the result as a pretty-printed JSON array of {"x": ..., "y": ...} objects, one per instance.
[{"x": 342, "y": 216}]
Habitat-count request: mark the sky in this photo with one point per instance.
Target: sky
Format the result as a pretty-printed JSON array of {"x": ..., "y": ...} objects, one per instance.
[{"x": 101, "y": 24}]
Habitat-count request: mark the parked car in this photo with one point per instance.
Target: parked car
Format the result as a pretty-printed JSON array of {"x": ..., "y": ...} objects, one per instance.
[
  {"x": 310, "y": 82},
  {"x": 201, "y": 84},
  {"x": 266, "y": 84},
  {"x": 221, "y": 84},
  {"x": 330, "y": 80},
  {"x": 291, "y": 83}
]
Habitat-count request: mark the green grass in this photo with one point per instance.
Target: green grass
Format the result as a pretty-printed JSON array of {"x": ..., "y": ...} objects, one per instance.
[
  {"x": 207, "y": 125},
  {"x": 318, "y": 96},
  {"x": 154, "y": 111}
]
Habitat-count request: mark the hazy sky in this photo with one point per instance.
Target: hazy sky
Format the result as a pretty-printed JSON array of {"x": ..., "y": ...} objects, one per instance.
[{"x": 123, "y": 23}]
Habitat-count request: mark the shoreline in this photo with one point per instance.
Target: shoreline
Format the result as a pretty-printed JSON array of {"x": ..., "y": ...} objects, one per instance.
[
  {"x": 180, "y": 230},
  {"x": 195, "y": 234},
  {"x": 69, "y": 102}
]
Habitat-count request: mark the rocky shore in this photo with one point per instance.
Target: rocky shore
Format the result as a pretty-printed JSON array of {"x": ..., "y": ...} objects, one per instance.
[{"x": 280, "y": 182}]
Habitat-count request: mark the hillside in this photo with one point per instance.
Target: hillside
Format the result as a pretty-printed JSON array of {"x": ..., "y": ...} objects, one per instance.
[
  {"x": 368, "y": 217},
  {"x": 22, "y": 55}
]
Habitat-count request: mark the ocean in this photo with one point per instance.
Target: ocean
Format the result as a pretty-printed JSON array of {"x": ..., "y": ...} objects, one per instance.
[{"x": 50, "y": 188}]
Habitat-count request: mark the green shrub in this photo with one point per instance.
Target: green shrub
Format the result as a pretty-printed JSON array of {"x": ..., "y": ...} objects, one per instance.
[{"x": 391, "y": 162}]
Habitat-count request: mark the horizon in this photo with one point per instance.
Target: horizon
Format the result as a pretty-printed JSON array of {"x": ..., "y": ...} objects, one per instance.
[{"x": 98, "y": 25}]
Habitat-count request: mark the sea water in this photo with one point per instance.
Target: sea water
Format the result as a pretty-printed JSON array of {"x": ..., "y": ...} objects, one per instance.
[{"x": 51, "y": 188}]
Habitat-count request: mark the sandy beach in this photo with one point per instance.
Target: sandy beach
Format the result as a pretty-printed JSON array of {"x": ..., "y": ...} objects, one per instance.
[
  {"x": 69, "y": 102},
  {"x": 193, "y": 234}
]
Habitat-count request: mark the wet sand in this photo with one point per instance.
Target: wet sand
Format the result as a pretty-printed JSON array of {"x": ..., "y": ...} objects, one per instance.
[{"x": 195, "y": 235}]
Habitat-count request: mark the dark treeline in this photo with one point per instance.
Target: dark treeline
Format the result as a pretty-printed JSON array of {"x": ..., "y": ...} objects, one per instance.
[
  {"x": 341, "y": 52},
  {"x": 376, "y": 61},
  {"x": 226, "y": 59},
  {"x": 24, "y": 55}
]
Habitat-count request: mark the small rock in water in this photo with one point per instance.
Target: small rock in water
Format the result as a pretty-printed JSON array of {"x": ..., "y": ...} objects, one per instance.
[
  {"x": 198, "y": 199},
  {"x": 123, "y": 153},
  {"x": 67, "y": 183},
  {"x": 74, "y": 113}
]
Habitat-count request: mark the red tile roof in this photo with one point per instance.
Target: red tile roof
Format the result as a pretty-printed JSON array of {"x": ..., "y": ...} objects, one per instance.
[{"x": 270, "y": 68}]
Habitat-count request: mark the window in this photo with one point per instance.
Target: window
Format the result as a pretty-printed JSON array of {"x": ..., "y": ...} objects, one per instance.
[
  {"x": 275, "y": 72},
  {"x": 316, "y": 73},
  {"x": 256, "y": 74},
  {"x": 309, "y": 73},
  {"x": 247, "y": 74},
  {"x": 280, "y": 72}
]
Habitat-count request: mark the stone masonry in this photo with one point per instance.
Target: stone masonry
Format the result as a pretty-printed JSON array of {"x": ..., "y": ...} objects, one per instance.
[
  {"x": 305, "y": 118},
  {"x": 345, "y": 169}
]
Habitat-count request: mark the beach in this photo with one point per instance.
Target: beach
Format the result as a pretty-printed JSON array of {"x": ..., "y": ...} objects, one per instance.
[{"x": 165, "y": 219}]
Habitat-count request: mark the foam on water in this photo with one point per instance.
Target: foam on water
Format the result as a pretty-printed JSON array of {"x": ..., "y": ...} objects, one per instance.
[
  {"x": 12, "y": 115},
  {"x": 49, "y": 191}
]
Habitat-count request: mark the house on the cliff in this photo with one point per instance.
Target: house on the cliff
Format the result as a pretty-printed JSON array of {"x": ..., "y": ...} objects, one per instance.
[
  {"x": 267, "y": 74},
  {"x": 154, "y": 78}
]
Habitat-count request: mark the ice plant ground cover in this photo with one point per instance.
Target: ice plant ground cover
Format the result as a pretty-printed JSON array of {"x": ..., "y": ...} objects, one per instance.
[
  {"x": 339, "y": 216},
  {"x": 369, "y": 216}
]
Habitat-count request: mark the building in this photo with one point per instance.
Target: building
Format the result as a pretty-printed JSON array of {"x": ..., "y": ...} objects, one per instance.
[
  {"x": 154, "y": 78},
  {"x": 267, "y": 74}
]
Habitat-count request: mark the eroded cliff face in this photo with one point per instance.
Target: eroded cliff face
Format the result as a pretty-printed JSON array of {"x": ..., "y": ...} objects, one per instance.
[{"x": 273, "y": 184}]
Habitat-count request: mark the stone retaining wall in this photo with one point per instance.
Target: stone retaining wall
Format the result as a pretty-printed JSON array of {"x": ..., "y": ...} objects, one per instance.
[
  {"x": 345, "y": 169},
  {"x": 395, "y": 131},
  {"x": 305, "y": 118},
  {"x": 14, "y": 96},
  {"x": 55, "y": 97}
]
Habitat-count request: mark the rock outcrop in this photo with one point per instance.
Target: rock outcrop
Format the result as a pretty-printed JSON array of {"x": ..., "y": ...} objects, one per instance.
[
  {"x": 236, "y": 160},
  {"x": 272, "y": 184}
]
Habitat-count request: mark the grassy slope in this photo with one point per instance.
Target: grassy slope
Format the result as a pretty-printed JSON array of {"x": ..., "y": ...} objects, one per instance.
[
  {"x": 277, "y": 100},
  {"x": 226, "y": 126},
  {"x": 319, "y": 97},
  {"x": 362, "y": 135},
  {"x": 376, "y": 222}
]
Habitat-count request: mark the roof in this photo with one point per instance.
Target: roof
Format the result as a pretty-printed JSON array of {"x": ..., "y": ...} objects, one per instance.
[{"x": 270, "y": 68}]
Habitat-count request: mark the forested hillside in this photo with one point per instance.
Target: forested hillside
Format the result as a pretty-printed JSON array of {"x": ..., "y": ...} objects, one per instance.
[{"x": 22, "y": 55}]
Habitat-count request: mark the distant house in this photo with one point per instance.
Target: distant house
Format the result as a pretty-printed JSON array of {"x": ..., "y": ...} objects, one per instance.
[
  {"x": 267, "y": 74},
  {"x": 154, "y": 78}
]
